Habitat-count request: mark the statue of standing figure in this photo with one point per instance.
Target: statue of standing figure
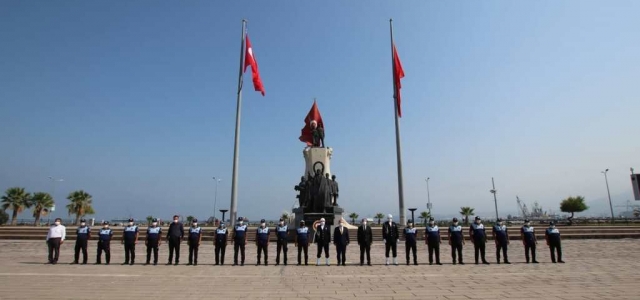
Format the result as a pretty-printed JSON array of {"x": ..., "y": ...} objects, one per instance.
[
  {"x": 334, "y": 190},
  {"x": 318, "y": 134}
]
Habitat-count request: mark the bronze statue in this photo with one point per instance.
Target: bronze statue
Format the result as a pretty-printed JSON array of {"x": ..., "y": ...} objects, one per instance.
[
  {"x": 318, "y": 134},
  {"x": 302, "y": 187},
  {"x": 334, "y": 190}
]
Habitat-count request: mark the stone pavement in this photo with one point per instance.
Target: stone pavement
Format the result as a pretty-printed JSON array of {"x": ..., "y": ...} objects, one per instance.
[{"x": 595, "y": 269}]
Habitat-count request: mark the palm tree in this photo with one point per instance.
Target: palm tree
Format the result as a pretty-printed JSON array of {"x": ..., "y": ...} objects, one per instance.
[
  {"x": 379, "y": 216},
  {"x": 41, "y": 202},
  {"x": 353, "y": 217},
  {"x": 17, "y": 199},
  {"x": 189, "y": 219},
  {"x": 149, "y": 219},
  {"x": 425, "y": 216},
  {"x": 466, "y": 211},
  {"x": 80, "y": 204}
]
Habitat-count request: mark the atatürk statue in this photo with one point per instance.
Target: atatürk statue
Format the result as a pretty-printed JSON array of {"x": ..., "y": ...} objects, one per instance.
[{"x": 318, "y": 134}]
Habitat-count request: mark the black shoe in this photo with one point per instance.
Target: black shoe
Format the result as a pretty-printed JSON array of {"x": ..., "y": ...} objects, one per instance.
[
  {"x": 535, "y": 262},
  {"x": 107, "y": 264},
  {"x": 258, "y": 263},
  {"x": 498, "y": 262},
  {"x": 175, "y": 264},
  {"x": 74, "y": 263},
  {"x": 217, "y": 264},
  {"x": 84, "y": 262},
  {"x": 361, "y": 263},
  {"x": 298, "y": 264},
  {"x": 124, "y": 263},
  {"x": 265, "y": 263},
  {"x": 146, "y": 264},
  {"x": 306, "y": 263},
  {"x": 195, "y": 264},
  {"x": 561, "y": 261},
  {"x": 285, "y": 264},
  {"x": 132, "y": 263},
  {"x": 507, "y": 262},
  {"x": 277, "y": 264},
  {"x": 343, "y": 264},
  {"x": 242, "y": 264},
  {"x": 430, "y": 263},
  {"x": 485, "y": 263},
  {"x": 407, "y": 263},
  {"x": 235, "y": 264},
  {"x": 415, "y": 263},
  {"x": 476, "y": 263},
  {"x": 189, "y": 264},
  {"x": 527, "y": 261},
  {"x": 369, "y": 264},
  {"x": 168, "y": 264},
  {"x": 553, "y": 261},
  {"x": 454, "y": 263},
  {"x": 438, "y": 263},
  {"x": 54, "y": 263},
  {"x": 155, "y": 263},
  {"x": 97, "y": 263}
]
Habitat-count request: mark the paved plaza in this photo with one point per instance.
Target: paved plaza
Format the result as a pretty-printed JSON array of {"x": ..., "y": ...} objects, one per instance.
[{"x": 595, "y": 269}]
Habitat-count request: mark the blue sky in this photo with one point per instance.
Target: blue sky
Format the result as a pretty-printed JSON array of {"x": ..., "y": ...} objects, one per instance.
[{"x": 134, "y": 102}]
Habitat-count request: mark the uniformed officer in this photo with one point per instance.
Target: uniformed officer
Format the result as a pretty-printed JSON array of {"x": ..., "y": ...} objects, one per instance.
[
  {"x": 322, "y": 238},
  {"x": 456, "y": 240},
  {"x": 262, "y": 241},
  {"x": 302, "y": 242},
  {"x": 104, "y": 243},
  {"x": 433, "y": 241},
  {"x": 552, "y": 235},
  {"x": 175, "y": 234},
  {"x": 130, "y": 239},
  {"x": 83, "y": 234},
  {"x": 239, "y": 241},
  {"x": 341, "y": 241},
  {"x": 195, "y": 237},
  {"x": 501, "y": 238},
  {"x": 220, "y": 242},
  {"x": 390, "y": 237},
  {"x": 282, "y": 232},
  {"x": 528, "y": 235},
  {"x": 479, "y": 239},
  {"x": 410, "y": 242},
  {"x": 153, "y": 241}
]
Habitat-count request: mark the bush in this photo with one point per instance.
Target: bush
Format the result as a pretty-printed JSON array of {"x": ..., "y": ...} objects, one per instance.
[{"x": 4, "y": 217}]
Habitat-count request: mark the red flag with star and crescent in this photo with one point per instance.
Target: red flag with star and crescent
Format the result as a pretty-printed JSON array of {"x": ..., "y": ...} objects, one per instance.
[
  {"x": 398, "y": 73},
  {"x": 250, "y": 60}
]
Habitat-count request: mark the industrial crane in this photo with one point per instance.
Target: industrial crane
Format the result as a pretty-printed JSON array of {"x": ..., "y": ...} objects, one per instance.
[{"x": 523, "y": 208}]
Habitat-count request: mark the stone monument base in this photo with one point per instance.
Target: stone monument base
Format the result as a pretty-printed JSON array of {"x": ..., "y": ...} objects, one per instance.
[{"x": 331, "y": 217}]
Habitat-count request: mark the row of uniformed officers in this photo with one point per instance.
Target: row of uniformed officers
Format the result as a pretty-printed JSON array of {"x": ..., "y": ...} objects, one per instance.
[{"x": 303, "y": 238}]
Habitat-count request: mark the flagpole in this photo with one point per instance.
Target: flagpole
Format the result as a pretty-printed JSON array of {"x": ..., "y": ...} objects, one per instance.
[
  {"x": 233, "y": 207},
  {"x": 398, "y": 147}
]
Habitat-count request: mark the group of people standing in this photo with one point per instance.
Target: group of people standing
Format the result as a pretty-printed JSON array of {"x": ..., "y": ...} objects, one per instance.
[{"x": 302, "y": 239}]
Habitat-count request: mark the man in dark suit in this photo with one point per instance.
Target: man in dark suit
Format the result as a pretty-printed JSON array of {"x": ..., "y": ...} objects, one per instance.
[
  {"x": 341, "y": 240},
  {"x": 390, "y": 236},
  {"x": 365, "y": 237},
  {"x": 323, "y": 239}
]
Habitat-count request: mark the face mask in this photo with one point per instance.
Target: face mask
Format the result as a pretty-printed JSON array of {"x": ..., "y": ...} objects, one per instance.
[
  {"x": 175, "y": 221},
  {"x": 410, "y": 225},
  {"x": 241, "y": 222},
  {"x": 390, "y": 220},
  {"x": 154, "y": 223},
  {"x": 262, "y": 224},
  {"x": 553, "y": 226},
  {"x": 195, "y": 224},
  {"x": 431, "y": 223},
  {"x": 130, "y": 223},
  {"x": 281, "y": 223},
  {"x": 340, "y": 224},
  {"x": 455, "y": 223},
  {"x": 527, "y": 223},
  {"x": 501, "y": 223},
  {"x": 57, "y": 223},
  {"x": 322, "y": 223},
  {"x": 364, "y": 223},
  {"x": 83, "y": 223},
  {"x": 106, "y": 226},
  {"x": 478, "y": 222}
]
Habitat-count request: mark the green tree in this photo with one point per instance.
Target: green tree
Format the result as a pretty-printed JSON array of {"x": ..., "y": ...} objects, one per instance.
[
  {"x": 4, "y": 217},
  {"x": 149, "y": 219},
  {"x": 189, "y": 219},
  {"x": 80, "y": 204},
  {"x": 379, "y": 216},
  {"x": 466, "y": 211},
  {"x": 16, "y": 199},
  {"x": 573, "y": 205},
  {"x": 41, "y": 203},
  {"x": 424, "y": 216},
  {"x": 353, "y": 217}
]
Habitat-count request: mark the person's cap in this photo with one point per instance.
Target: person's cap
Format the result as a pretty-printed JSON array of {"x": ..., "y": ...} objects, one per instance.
[
  {"x": 83, "y": 220},
  {"x": 410, "y": 221},
  {"x": 389, "y": 216},
  {"x": 552, "y": 223},
  {"x": 105, "y": 223},
  {"x": 130, "y": 219},
  {"x": 364, "y": 219},
  {"x": 194, "y": 221},
  {"x": 322, "y": 220},
  {"x": 262, "y": 221},
  {"x": 431, "y": 219},
  {"x": 455, "y": 219},
  {"x": 154, "y": 220},
  {"x": 58, "y": 219},
  {"x": 281, "y": 220},
  {"x": 302, "y": 222},
  {"x": 478, "y": 218},
  {"x": 240, "y": 219},
  {"x": 176, "y": 216},
  {"x": 526, "y": 220}
]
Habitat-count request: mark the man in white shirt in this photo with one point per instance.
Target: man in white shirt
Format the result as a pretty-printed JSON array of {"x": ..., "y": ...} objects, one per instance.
[{"x": 55, "y": 237}]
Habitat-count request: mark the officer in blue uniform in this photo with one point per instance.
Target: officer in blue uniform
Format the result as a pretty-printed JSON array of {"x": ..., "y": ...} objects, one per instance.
[
  {"x": 341, "y": 241},
  {"x": 104, "y": 243},
  {"x": 479, "y": 239},
  {"x": 282, "y": 232},
  {"x": 302, "y": 242},
  {"x": 195, "y": 237},
  {"x": 433, "y": 241},
  {"x": 83, "y": 234},
  {"x": 220, "y": 242},
  {"x": 501, "y": 238},
  {"x": 130, "y": 239},
  {"x": 456, "y": 240},
  {"x": 153, "y": 241},
  {"x": 410, "y": 241},
  {"x": 528, "y": 235},
  {"x": 552, "y": 235},
  {"x": 262, "y": 241},
  {"x": 239, "y": 241}
]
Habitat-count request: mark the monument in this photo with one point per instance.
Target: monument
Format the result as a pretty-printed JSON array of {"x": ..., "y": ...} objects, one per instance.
[{"x": 318, "y": 190}]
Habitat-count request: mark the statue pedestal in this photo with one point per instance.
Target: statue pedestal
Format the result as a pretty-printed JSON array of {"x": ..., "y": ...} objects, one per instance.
[
  {"x": 331, "y": 217},
  {"x": 317, "y": 158}
]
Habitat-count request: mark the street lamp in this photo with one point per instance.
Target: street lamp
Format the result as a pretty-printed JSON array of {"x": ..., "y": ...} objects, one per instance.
[
  {"x": 494, "y": 191},
  {"x": 53, "y": 193},
  {"x": 223, "y": 211},
  {"x": 412, "y": 210},
  {"x": 215, "y": 198},
  {"x": 606, "y": 180},
  {"x": 428, "y": 196}
]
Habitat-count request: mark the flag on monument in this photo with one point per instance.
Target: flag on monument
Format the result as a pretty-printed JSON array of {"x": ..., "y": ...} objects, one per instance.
[
  {"x": 250, "y": 60},
  {"x": 398, "y": 73},
  {"x": 307, "y": 132}
]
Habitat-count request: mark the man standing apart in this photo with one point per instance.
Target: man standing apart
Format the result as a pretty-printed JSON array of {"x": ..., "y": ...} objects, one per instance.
[
  {"x": 130, "y": 239},
  {"x": 262, "y": 241},
  {"x": 174, "y": 235},
  {"x": 552, "y": 235},
  {"x": 456, "y": 240},
  {"x": 433, "y": 241},
  {"x": 390, "y": 236},
  {"x": 83, "y": 234},
  {"x": 55, "y": 237},
  {"x": 195, "y": 237},
  {"x": 410, "y": 242},
  {"x": 221, "y": 242},
  {"x": 154, "y": 234},
  {"x": 529, "y": 240},
  {"x": 104, "y": 243},
  {"x": 239, "y": 241},
  {"x": 365, "y": 238},
  {"x": 282, "y": 232},
  {"x": 323, "y": 239},
  {"x": 479, "y": 239},
  {"x": 302, "y": 242},
  {"x": 501, "y": 238},
  {"x": 341, "y": 241}
]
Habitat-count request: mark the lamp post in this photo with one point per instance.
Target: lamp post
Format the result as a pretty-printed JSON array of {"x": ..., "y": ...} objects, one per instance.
[
  {"x": 53, "y": 193},
  {"x": 215, "y": 198},
  {"x": 606, "y": 180},
  {"x": 495, "y": 200},
  {"x": 428, "y": 196},
  {"x": 412, "y": 210},
  {"x": 223, "y": 211}
]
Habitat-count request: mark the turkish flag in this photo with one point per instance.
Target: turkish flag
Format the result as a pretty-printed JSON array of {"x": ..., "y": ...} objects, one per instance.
[
  {"x": 250, "y": 60},
  {"x": 398, "y": 73},
  {"x": 314, "y": 114}
]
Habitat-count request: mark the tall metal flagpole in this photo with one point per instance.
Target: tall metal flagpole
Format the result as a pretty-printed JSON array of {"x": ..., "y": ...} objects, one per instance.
[
  {"x": 398, "y": 148},
  {"x": 236, "y": 146}
]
